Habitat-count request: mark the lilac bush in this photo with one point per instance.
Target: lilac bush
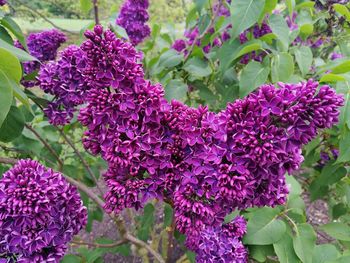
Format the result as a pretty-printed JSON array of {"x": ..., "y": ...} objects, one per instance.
[
  {"x": 205, "y": 165},
  {"x": 39, "y": 213},
  {"x": 133, "y": 17},
  {"x": 44, "y": 46}
]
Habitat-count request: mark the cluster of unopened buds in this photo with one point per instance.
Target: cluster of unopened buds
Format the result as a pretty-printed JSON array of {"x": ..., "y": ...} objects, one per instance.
[{"x": 205, "y": 164}]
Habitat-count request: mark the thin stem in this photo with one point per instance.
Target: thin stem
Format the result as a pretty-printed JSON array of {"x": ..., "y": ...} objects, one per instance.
[
  {"x": 96, "y": 245},
  {"x": 141, "y": 243},
  {"x": 95, "y": 3},
  {"x": 85, "y": 164},
  {"x": 171, "y": 240},
  {"x": 51, "y": 150},
  {"x": 6, "y": 160},
  {"x": 43, "y": 17}
]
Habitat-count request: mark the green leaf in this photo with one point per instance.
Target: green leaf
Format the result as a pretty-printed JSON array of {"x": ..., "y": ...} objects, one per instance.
[
  {"x": 71, "y": 259},
  {"x": 342, "y": 259},
  {"x": 197, "y": 67},
  {"x": 293, "y": 186},
  {"x": 304, "y": 57},
  {"x": 10, "y": 65},
  {"x": 6, "y": 96},
  {"x": 244, "y": 14},
  {"x": 120, "y": 31},
  {"x": 282, "y": 67},
  {"x": 200, "y": 4},
  {"x": 19, "y": 53},
  {"x": 252, "y": 76},
  {"x": 203, "y": 24},
  {"x": 268, "y": 8},
  {"x": 4, "y": 35},
  {"x": 306, "y": 30},
  {"x": 85, "y": 5},
  {"x": 170, "y": 59},
  {"x": 344, "y": 144},
  {"x": 331, "y": 173},
  {"x": 339, "y": 231},
  {"x": 13, "y": 125},
  {"x": 227, "y": 53},
  {"x": 332, "y": 78},
  {"x": 12, "y": 26},
  {"x": 324, "y": 253},
  {"x": 21, "y": 96},
  {"x": 260, "y": 253},
  {"x": 176, "y": 89},
  {"x": 343, "y": 10},
  {"x": 248, "y": 47},
  {"x": 264, "y": 228},
  {"x": 342, "y": 68},
  {"x": 285, "y": 251},
  {"x": 168, "y": 215},
  {"x": 291, "y": 6},
  {"x": 280, "y": 28},
  {"x": 306, "y": 4},
  {"x": 304, "y": 242},
  {"x": 146, "y": 222}
]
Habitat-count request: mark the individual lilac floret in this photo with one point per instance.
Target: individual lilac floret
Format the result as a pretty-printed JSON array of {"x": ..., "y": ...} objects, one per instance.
[
  {"x": 336, "y": 55},
  {"x": 222, "y": 244},
  {"x": 43, "y": 46},
  {"x": 65, "y": 81},
  {"x": 133, "y": 17},
  {"x": 3, "y": 2},
  {"x": 179, "y": 45},
  {"x": 40, "y": 212}
]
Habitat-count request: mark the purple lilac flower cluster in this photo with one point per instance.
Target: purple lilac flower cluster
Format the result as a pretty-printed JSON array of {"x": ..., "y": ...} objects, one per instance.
[
  {"x": 221, "y": 244},
  {"x": 256, "y": 31},
  {"x": 204, "y": 164},
  {"x": 3, "y": 2},
  {"x": 43, "y": 46},
  {"x": 133, "y": 18},
  {"x": 311, "y": 42},
  {"x": 63, "y": 79},
  {"x": 191, "y": 36},
  {"x": 39, "y": 213}
]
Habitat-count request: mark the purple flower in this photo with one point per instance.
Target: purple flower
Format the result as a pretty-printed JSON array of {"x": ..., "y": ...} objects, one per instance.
[
  {"x": 336, "y": 55},
  {"x": 39, "y": 213},
  {"x": 133, "y": 17},
  {"x": 179, "y": 45},
  {"x": 65, "y": 81},
  {"x": 3, "y": 2},
  {"x": 43, "y": 46},
  {"x": 220, "y": 244}
]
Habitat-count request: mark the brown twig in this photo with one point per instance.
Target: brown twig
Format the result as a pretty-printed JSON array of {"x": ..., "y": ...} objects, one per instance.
[
  {"x": 95, "y": 3},
  {"x": 85, "y": 164},
  {"x": 6, "y": 160},
  {"x": 51, "y": 150},
  {"x": 43, "y": 17},
  {"x": 141, "y": 243}
]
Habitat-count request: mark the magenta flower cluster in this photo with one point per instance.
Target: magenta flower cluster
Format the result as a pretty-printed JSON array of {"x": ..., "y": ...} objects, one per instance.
[
  {"x": 204, "y": 164},
  {"x": 133, "y": 17},
  {"x": 63, "y": 79},
  {"x": 39, "y": 213},
  {"x": 3, "y": 2},
  {"x": 256, "y": 31},
  {"x": 220, "y": 244},
  {"x": 181, "y": 45},
  {"x": 43, "y": 46}
]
